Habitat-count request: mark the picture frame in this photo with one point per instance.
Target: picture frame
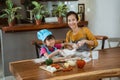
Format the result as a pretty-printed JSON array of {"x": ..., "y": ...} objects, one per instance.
[
  {"x": 81, "y": 8},
  {"x": 81, "y": 11},
  {"x": 80, "y": 16}
]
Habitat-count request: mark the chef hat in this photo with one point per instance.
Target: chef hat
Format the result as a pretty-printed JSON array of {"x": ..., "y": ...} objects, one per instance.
[{"x": 42, "y": 34}]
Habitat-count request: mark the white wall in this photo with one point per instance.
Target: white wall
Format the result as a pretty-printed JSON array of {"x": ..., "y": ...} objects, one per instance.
[
  {"x": 107, "y": 19},
  {"x": 104, "y": 17}
]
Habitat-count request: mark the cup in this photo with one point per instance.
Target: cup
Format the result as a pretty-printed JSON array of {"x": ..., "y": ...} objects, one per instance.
[
  {"x": 86, "y": 54},
  {"x": 95, "y": 54}
]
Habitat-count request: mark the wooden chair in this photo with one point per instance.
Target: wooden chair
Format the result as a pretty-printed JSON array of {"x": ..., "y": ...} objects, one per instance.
[
  {"x": 38, "y": 43},
  {"x": 102, "y": 38}
]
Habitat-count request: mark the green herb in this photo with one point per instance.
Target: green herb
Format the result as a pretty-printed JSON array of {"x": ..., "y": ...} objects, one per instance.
[
  {"x": 39, "y": 10},
  {"x": 49, "y": 61},
  {"x": 10, "y": 11},
  {"x": 60, "y": 10}
]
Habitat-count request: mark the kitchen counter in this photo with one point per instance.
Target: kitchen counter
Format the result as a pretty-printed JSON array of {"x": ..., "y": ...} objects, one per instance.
[{"x": 33, "y": 27}]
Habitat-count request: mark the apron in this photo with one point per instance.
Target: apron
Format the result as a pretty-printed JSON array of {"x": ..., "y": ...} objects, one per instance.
[
  {"x": 84, "y": 47},
  {"x": 48, "y": 51}
]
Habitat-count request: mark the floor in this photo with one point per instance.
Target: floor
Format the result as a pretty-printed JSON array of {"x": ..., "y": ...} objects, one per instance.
[{"x": 8, "y": 78}]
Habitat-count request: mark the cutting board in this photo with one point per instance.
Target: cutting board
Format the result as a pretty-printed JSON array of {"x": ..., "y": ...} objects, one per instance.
[{"x": 44, "y": 67}]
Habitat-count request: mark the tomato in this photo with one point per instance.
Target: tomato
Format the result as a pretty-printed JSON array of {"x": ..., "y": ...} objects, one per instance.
[
  {"x": 57, "y": 66},
  {"x": 80, "y": 63}
]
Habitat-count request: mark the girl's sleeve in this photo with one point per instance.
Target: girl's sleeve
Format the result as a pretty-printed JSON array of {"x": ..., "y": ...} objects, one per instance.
[
  {"x": 42, "y": 51},
  {"x": 58, "y": 46}
]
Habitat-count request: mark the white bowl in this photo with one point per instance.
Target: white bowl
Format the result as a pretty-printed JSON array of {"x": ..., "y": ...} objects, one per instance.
[{"x": 67, "y": 52}]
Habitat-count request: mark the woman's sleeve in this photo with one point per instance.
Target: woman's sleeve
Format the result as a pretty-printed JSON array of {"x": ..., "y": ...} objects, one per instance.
[
  {"x": 90, "y": 36},
  {"x": 67, "y": 36}
]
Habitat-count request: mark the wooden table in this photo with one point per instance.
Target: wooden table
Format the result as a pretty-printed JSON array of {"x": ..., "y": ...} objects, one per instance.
[{"x": 108, "y": 65}]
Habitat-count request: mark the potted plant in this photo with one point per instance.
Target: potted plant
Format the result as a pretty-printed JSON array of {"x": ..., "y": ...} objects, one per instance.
[
  {"x": 39, "y": 12},
  {"x": 60, "y": 11},
  {"x": 10, "y": 12}
]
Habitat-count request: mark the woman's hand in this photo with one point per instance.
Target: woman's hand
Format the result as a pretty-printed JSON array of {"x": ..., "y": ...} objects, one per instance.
[
  {"x": 82, "y": 42},
  {"x": 68, "y": 46},
  {"x": 75, "y": 46}
]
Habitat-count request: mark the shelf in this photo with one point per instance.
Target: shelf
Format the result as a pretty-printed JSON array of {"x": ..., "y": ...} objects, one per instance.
[{"x": 33, "y": 27}]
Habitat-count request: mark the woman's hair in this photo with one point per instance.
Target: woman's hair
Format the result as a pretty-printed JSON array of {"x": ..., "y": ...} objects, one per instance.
[
  {"x": 49, "y": 37},
  {"x": 71, "y": 13}
]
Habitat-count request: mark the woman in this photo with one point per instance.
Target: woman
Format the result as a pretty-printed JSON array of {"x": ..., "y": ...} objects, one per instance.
[{"x": 80, "y": 35}]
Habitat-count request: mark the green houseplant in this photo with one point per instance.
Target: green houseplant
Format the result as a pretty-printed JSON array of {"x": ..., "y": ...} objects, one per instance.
[
  {"x": 39, "y": 12},
  {"x": 10, "y": 12},
  {"x": 60, "y": 11}
]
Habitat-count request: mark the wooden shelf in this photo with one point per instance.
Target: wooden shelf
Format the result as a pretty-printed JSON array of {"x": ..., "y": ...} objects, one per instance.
[{"x": 33, "y": 27}]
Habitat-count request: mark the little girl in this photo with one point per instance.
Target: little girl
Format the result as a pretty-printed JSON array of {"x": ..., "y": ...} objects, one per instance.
[{"x": 49, "y": 47}]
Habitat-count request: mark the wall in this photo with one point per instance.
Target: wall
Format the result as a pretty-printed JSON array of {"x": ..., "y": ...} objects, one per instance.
[
  {"x": 107, "y": 20},
  {"x": 108, "y": 17}
]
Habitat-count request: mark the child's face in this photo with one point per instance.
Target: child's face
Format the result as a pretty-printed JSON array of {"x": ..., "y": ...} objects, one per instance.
[
  {"x": 50, "y": 42},
  {"x": 72, "y": 21}
]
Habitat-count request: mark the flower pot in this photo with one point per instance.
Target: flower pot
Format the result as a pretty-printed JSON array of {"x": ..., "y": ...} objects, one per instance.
[
  {"x": 38, "y": 22},
  {"x": 12, "y": 23},
  {"x": 60, "y": 19}
]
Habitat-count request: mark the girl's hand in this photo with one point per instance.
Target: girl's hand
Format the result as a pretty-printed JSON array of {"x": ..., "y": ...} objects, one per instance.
[
  {"x": 53, "y": 53},
  {"x": 57, "y": 51}
]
